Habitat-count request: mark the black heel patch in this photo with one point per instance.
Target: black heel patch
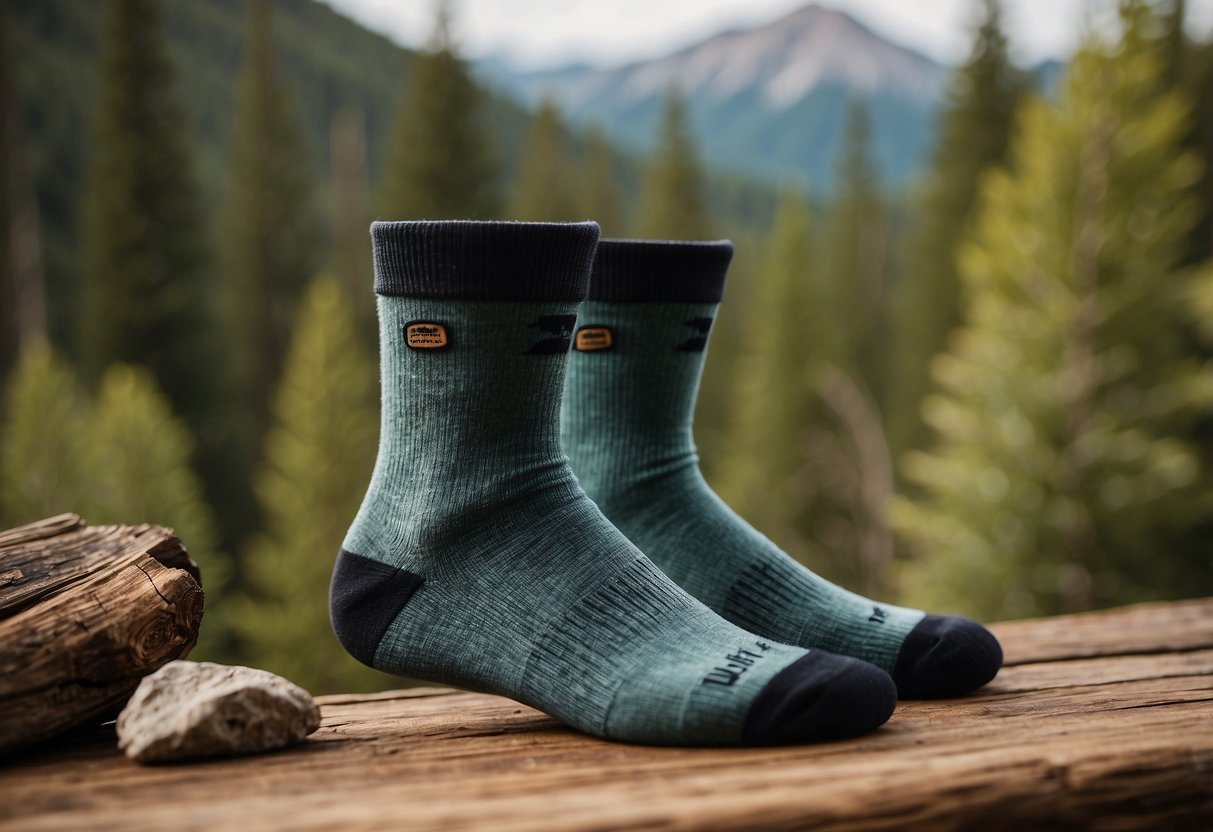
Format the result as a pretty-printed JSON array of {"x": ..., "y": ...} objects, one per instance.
[{"x": 364, "y": 599}]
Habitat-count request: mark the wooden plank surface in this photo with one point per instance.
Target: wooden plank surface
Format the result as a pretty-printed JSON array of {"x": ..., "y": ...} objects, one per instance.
[{"x": 1102, "y": 720}]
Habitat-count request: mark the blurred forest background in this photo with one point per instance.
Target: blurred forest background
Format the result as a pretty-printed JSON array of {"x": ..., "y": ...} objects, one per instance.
[{"x": 989, "y": 393}]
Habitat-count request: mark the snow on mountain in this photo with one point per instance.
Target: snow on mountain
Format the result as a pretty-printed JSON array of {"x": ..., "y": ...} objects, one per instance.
[
  {"x": 793, "y": 76},
  {"x": 785, "y": 61}
]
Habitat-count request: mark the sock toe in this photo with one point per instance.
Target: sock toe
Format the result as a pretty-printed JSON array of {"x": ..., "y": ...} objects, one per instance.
[
  {"x": 818, "y": 697},
  {"x": 946, "y": 655}
]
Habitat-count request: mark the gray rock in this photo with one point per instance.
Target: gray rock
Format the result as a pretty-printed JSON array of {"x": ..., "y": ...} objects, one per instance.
[{"x": 189, "y": 710}]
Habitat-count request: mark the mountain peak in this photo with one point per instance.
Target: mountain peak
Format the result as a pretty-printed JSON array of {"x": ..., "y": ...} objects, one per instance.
[
  {"x": 815, "y": 14},
  {"x": 782, "y": 61},
  {"x": 791, "y": 74},
  {"x": 788, "y": 58}
]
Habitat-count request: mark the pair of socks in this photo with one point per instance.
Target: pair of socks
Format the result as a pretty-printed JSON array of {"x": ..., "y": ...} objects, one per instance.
[{"x": 650, "y": 613}]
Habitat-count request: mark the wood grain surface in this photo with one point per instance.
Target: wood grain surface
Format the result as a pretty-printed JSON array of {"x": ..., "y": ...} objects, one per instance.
[{"x": 1099, "y": 721}]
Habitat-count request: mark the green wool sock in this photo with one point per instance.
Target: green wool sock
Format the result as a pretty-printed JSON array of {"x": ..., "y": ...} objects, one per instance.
[
  {"x": 476, "y": 559},
  {"x": 627, "y": 430}
]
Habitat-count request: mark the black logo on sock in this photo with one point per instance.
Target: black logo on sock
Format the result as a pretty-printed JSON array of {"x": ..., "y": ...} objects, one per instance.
[
  {"x": 559, "y": 327},
  {"x": 878, "y": 615},
  {"x": 735, "y": 664},
  {"x": 699, "y": 342}
]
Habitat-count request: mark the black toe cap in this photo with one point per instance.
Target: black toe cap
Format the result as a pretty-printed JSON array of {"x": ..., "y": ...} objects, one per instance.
[
  {"x": 946, "y": 655},
  {"x": 820, "y": 697}
]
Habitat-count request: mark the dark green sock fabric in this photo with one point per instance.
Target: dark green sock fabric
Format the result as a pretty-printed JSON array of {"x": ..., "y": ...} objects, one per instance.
[
  {"x": 477, "y": 560},
  {"x": 627, "y": 429}
]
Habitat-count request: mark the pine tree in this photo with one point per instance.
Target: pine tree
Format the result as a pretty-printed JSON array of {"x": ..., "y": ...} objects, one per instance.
[
  {"x": 352, "y": 217},
  {"x": 1200, "y": 86},
  {"x": 442, "y": 164},
  {"x": 137, "y": 462},
  {"x": 123, "y": 459},
  {"x": 786, "y": 330},
  {"x": 1189, "y": 66},
  {"x": 269, "y": 231},
  {"x": 318, "y": 460},
  {"x": 1061, "y": 477},
  {"x": 1172, "y": 41},
  {"x": 715, "y": 419},
  {"x": 858, "y": 256},
  {"x": 145, "y": 297},
  {"x": 1200, "y": 312},
  {"x": 673, "y": 202},
  {"x": 601, "y": 197},
  {"x": 1200, "y": 304},
  {"x": 545, "y": 191},
  {"x": 974, "y": 130},
  {"x": 42, "y": 439},
  {"x": 807, "y": 462},
  {"x": 11, "y": 335}
]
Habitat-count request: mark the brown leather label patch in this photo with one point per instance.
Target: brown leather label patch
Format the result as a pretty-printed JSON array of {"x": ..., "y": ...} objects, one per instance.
[
  {"x": 425, "y": 335},
  {"x": 593, "y": 338}
]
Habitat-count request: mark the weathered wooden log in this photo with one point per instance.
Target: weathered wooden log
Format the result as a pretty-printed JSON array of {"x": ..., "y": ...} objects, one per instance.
[{"x": 85, "y": 613}]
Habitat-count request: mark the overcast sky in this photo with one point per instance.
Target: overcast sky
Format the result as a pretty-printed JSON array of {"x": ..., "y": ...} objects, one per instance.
[{"x": 540, "y": 33}]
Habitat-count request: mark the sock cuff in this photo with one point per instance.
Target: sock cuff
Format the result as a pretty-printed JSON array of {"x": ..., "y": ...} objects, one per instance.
[
  {"x": 479, "y": 260},
  {"x": 660, "y": 271}
]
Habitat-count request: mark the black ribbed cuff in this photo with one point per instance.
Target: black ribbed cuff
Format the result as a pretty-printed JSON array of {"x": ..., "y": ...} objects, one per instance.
[
  {"x": 660, "y": 271},
  {"x": 467, "y": 260}
]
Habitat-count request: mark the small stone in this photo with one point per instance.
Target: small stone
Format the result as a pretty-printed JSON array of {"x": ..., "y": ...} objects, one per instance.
[{"x": 190, "y": 710}]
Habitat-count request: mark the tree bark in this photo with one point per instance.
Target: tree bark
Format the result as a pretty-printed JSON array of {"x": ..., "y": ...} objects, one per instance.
[{"x": 85, "y": 613}]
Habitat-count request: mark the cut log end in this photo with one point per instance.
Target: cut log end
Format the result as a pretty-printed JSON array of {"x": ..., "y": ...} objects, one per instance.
[{"x": 85, "y": 614}]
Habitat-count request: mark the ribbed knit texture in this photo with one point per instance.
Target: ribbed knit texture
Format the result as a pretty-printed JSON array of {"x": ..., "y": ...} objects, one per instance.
[
  {"x": 523, "y": 588},
  {"x": 627, "y": 431},
  {"x": 483, "y": 260},
  {"x": 660, "y": 271}
]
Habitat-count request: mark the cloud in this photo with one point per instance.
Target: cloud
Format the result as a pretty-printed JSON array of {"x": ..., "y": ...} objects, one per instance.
[{"x": 548, "y": 32}]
